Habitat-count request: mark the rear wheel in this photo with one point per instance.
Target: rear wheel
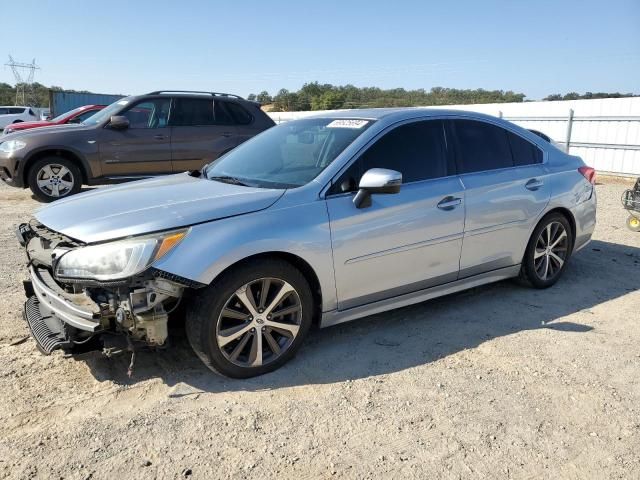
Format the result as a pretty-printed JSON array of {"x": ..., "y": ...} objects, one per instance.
[
  {"x": 252, "y": 320},
  {"x": 548, "y": 251},
  {"x": 52, "y": 178}
]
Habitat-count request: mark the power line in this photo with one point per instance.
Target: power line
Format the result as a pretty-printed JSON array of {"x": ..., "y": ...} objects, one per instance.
[{"x": 24, "y": 85}]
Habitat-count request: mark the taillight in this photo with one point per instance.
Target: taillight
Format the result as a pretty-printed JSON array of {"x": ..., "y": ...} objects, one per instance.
[{"x": 588, "y": 173}]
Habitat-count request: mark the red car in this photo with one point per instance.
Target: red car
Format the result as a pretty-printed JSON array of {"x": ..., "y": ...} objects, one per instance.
[{"x": 76, "y": 115}]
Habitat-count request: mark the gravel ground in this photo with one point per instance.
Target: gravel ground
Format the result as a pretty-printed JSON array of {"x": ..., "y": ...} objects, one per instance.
[{"x": 498, "y": 382}]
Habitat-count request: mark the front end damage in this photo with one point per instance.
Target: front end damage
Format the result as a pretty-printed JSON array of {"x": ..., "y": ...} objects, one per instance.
[{"x": 66, "y": 313}]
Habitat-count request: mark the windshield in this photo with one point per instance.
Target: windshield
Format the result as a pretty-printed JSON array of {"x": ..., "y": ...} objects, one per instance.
[
  {"x": 107, "y": 112},
  {"x": 289, "y": 155},
  {"x": 66, "y": 114}
]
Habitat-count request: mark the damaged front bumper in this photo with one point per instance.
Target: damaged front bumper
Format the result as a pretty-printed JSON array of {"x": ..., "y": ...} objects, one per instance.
[
  {"x": 55, "y": 317},
  {"x": 63, "y": 314}
]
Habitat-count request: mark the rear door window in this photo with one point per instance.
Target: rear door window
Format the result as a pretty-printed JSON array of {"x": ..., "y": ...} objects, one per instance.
[
  {"x": 481, "y": 146},
  {"x": 189, "y": 112},
  {"x": 524, "y": 152},
  {"x": 193, "y": 112}
]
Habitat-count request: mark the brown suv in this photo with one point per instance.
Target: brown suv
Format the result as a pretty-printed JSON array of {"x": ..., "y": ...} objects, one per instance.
[{"x": 136, "y": 137}]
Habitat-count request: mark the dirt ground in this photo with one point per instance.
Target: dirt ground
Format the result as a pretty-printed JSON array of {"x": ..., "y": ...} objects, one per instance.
[{"x": 498, "y": 382}]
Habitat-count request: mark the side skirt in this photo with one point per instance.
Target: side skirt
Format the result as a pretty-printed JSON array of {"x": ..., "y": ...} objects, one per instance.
[{"x": 339, "y": 316}]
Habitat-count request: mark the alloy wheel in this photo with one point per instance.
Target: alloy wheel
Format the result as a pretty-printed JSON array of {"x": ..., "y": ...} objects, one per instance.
[
  {"x": 552, "y": 248},
  {"x": 259, "y": 322},
  {"x": 55, "y": 180}
]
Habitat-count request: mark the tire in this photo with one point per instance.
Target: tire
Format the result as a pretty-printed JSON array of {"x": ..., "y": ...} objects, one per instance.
[
  {"x": 633, "y": 223},
  {"x": 18, "y": 121},
  {"x": 219, "y": 308},
  {"x": 535, "y": 271},
  {"x": 51, "y": 178}
]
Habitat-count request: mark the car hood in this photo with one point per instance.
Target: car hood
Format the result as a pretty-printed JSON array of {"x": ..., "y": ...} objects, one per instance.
[
  {"x": 29, "y": 133},
  {"x": 151, "y": 205}
]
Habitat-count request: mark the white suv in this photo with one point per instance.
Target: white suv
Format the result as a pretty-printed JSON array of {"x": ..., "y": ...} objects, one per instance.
[{"x": 9, "y": 115}]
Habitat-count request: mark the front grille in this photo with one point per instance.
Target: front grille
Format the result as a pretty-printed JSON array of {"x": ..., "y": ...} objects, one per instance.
[
  {"x": 40, "y": 242},
  {"x": 52, "y": 237}
]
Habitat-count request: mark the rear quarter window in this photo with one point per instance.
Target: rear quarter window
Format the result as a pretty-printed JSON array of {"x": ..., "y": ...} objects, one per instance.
[
  {"x": 524, "y": 152},
  {"x": 240, "y": 115}
]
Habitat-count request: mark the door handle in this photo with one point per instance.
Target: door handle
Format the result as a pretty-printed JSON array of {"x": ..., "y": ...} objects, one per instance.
[
  {"x": 449, "y": 203},
  {"x": 533, "y": 184},
  {"x": 226, "y": 134},
  {"x": 159, "y": 137}
]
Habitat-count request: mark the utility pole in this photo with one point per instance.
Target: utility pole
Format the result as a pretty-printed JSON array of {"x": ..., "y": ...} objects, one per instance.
[{"x": 24, "y": 83}]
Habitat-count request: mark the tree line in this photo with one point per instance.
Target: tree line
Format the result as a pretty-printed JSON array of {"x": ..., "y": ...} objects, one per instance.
[
  {"x": 316, "y": 96},
  {"x": 586, "y": 96}
]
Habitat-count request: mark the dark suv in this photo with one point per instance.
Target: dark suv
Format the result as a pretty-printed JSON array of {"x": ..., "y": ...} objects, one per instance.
[{"x": 140, "y": 136}]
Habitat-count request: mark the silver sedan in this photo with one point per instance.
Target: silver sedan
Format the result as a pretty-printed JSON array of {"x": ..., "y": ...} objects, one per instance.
[{"x": 320, "y": 220}]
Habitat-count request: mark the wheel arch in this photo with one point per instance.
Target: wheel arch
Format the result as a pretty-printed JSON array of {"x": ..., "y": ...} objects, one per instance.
[
  {"x": 54, "y": 152},
  {"x": 565, "y": 212},
  {"x": 299, "y": 263}
]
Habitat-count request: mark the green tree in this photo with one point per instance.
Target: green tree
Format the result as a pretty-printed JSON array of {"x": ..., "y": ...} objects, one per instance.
[{"x": 264, "y": 98}]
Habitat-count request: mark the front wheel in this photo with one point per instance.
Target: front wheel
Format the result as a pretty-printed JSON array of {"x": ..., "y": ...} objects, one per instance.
[
  {"x": 252, "y": 320},
  {"x": 548, "y": 251},
  {"x": 52, "y": 178}
]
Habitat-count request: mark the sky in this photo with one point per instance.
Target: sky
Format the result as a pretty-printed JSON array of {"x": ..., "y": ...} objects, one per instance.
[{"x": 243, "y": 47}]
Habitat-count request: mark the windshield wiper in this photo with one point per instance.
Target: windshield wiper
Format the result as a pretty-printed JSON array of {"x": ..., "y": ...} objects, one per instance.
[{"x": 229, "y": 179}]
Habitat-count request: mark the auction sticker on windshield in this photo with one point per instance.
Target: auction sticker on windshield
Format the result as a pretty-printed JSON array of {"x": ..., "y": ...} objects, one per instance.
[{"x": 343, "y": 123}]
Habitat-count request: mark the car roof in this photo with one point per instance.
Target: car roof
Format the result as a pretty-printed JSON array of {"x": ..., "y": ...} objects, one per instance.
[
  {"x": 398, "y": 114},
  {"x": 171, "y": 94}
]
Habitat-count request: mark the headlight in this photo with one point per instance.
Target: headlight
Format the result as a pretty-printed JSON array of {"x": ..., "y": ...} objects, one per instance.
[
  {"x": 117, "y": 260},
  {"x": 12, "y": 146}
]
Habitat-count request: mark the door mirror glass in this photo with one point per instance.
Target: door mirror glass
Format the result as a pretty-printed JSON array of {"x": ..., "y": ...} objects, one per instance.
[
  {"x": 376, "y": 180},
  {"x": 119, "y": 122}
]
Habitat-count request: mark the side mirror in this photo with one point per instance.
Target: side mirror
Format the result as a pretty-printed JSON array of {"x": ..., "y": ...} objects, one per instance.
[
  {"x": 376, "y": 180},
  {"x": 118, "y": 122}
]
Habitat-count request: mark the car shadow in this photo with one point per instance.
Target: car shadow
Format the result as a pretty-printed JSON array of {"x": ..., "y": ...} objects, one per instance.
[{"x": 410, "y": 336}]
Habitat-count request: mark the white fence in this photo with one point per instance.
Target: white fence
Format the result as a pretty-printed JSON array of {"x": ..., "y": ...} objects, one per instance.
[{"x": 604, "y": 132}]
